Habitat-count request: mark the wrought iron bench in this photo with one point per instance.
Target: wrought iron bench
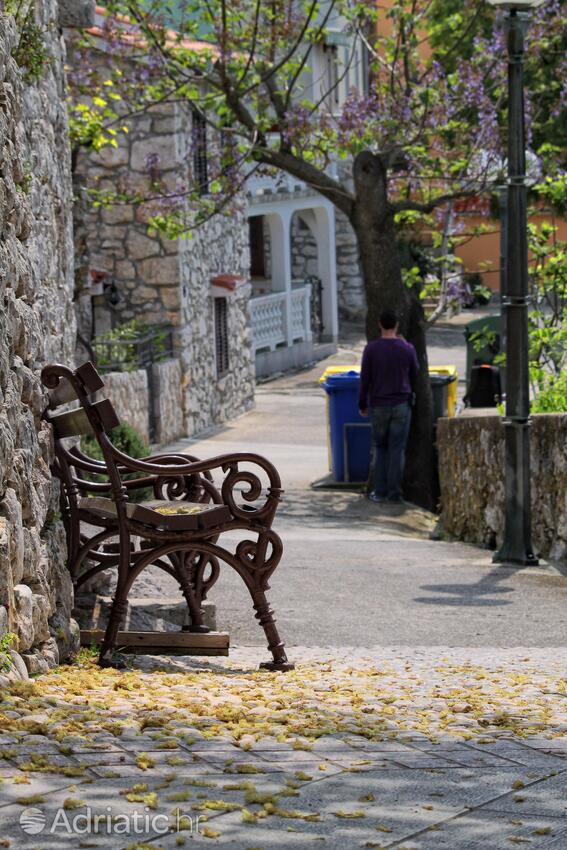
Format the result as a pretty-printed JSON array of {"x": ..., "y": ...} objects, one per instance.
[{"x": 178, "y": 531}]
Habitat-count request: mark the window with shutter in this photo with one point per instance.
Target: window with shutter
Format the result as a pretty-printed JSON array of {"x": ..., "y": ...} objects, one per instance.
[
  {"x": 199, "y": 144},
  {"x": 221, "y": 336},
  {"x": 332, "y": 74}
]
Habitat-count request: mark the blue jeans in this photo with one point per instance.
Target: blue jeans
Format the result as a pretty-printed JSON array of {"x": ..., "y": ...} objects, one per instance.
[{"x": 390, "y": 429}]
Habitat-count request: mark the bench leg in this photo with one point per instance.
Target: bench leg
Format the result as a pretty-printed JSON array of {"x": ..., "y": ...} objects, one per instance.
[
  {"x": 119, "y": 605},
  {"x": 265, "y": 616},
  {"x": 184, "y": 572},
  {"x": 117, "y": 612}
]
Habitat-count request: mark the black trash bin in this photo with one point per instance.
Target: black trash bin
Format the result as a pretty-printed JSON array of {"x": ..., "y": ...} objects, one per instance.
[
  {"x": 490, "y": 330},
  {"x": 485, "y": 387},
  {"x": 440, "y": 391}
]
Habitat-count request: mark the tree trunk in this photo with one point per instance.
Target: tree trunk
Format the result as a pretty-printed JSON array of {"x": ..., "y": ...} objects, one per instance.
[{"x": 373, "y": 222}]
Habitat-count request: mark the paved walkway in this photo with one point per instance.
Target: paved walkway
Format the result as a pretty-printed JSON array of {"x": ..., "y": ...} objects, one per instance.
[
  {"x": 384, "y": 748},
  {"x": 356, "y": 573},
  {"x": 427, "y": 711}
]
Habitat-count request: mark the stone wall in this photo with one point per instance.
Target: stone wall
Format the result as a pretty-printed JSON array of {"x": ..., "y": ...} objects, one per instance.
[
  {"x": 144, "y": 269},
  {"x": 128, "y": 392},
  {"x": 219, "y": 248},
  {"x": 471, "y": 463},
  {"x": 207, "y": 398},
  {"x": 350, "y": 286},
  {"x": 303, "y": 249},
  {"x": 168, "y": 401},
  {"x": 132, "y": 394},
  {"x": 36, "y": 326}
]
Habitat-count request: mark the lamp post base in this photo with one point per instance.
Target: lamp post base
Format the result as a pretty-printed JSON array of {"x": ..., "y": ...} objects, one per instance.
[{"x": 515, "y": 557}]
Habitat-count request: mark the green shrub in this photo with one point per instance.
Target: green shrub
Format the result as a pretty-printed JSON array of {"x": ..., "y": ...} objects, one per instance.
[
  {"x": 479, "y": 293},
  {"x": 30, "y": 53},
  {"x": 119, "y": 348},
  {"x": 126, "y": 439},
  {"x": 7, "y": 642},
  {"x": 552, "y": 395}
]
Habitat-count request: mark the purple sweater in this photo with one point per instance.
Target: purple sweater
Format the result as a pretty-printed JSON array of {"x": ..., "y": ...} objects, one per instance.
[{"x": 389, "y": 368}]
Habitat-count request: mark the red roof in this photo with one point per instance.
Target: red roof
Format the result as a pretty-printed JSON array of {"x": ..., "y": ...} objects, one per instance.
[{"x": 125, "y": 36}]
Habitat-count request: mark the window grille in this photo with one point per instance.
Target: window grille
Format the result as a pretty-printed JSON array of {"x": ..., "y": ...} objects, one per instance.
[
  {"x": 227, "y": 150},
  {"x": 199, "y": 144},
  {"x": 221, "y": 336},
  {"x": 332, "y": 74}
]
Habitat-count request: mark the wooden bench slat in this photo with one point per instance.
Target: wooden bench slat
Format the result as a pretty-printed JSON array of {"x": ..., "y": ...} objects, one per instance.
[
  {"x": 148, "y": 513},
  {"x": 185, "y": 643},
  {"x": 66, "y": 392},
  {"x": 76, "y": 423}
]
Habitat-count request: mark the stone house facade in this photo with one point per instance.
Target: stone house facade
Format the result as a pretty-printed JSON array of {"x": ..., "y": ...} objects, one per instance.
[
  {"x": 37, "y": 325},
  {"x": 198, "y": 286},
  {"x": 290, "y": 314}
]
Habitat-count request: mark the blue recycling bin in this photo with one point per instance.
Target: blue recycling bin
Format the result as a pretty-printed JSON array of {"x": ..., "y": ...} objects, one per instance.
[{"x": 350, "y": 433}]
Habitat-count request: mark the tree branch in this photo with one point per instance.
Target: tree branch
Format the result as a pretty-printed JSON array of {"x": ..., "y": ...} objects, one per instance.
[
  {"x": 429, "y": 206},
  {"x": 314, "y": 177}
]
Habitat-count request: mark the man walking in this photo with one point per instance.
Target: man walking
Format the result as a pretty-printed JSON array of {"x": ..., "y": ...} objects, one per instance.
[{"x": 387, "y": 378}]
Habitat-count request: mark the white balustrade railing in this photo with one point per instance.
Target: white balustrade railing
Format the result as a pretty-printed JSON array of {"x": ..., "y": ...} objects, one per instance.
[
  {"x": 267, "y": 314},
  {"x": 301, "y": 313},
  {"x": 271, "y": 326},
  {"x": 270, "y": 184},
  {"x": 261, "y": 184}
]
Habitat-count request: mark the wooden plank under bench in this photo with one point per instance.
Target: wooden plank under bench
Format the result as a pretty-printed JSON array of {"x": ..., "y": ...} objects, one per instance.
[{"x": 163, "y": 643}]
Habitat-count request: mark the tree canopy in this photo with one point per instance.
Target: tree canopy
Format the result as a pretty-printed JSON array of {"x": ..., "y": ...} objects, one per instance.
[{"x": 429, "y": 93}]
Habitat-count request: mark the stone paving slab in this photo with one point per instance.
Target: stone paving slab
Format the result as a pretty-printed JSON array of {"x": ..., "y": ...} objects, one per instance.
[
  {"x": 39, "y": 784},
  {"x": 482, "y": 830},
  {"x": 547, "y": 798},
  {"x": 416, "y": 748}
]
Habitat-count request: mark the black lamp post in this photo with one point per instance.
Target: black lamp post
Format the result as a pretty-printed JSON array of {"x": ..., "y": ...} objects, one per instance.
[{"x": 517, "y": 545}]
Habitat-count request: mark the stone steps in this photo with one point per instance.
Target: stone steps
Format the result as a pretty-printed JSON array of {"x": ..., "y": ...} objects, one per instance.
[{"x": 142, "y": 614}]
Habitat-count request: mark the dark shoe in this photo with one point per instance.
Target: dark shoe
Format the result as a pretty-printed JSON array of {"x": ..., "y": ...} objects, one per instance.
[{"x": 375, "y": 498}]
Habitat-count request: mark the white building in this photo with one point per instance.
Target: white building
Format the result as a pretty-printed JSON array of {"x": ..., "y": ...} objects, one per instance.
[{"x": 304, "y": 258}]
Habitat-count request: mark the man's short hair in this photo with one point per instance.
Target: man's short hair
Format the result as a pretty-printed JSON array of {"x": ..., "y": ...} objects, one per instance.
[{"x": 388, "y": 319}]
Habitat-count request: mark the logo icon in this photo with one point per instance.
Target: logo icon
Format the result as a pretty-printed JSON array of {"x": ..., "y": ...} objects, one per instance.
[{"x": 32, "y": 821}]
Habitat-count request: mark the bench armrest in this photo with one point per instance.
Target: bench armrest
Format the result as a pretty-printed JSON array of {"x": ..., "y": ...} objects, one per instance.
[
  {"x": 193, "y": 489},
  {"x": 166, "y": 471}
]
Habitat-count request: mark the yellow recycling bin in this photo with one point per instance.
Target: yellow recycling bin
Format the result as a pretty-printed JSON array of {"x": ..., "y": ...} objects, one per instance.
[{"x": 450, "y": 372}]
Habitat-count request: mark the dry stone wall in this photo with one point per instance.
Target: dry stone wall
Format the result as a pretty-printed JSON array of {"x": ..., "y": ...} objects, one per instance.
[
  {"x": 159, "y": 389},
  {"x": 128, "y": 392},
  {"x": 471, "y": 463},
  {"x": 36, "y": 326}
]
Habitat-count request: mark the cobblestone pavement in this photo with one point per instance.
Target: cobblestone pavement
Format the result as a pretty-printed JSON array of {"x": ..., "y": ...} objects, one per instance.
[{"x": 414, "y": 748}]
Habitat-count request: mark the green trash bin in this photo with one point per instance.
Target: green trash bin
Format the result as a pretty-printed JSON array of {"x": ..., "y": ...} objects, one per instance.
[{"x": 489, "y": 326}]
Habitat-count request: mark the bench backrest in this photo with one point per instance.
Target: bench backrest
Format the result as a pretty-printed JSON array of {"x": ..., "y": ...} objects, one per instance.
[{"x": 95, "y": 418}]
